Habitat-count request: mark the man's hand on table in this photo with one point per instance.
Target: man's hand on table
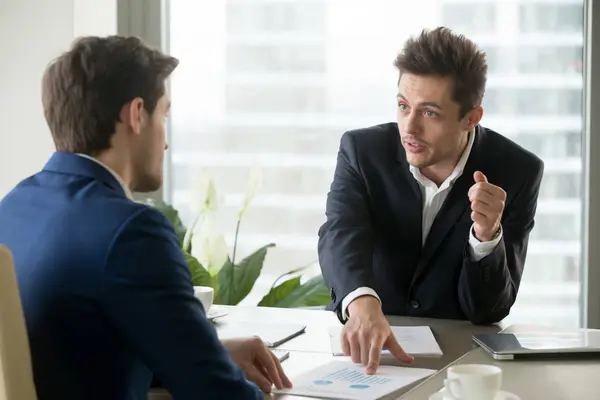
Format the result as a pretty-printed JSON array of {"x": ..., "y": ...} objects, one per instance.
[
  {"x": 366, "y": 332},
  {"x": 259, "y": 364}
]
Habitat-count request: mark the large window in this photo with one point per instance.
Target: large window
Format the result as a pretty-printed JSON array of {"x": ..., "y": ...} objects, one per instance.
[{"x": 280, "y": 81}]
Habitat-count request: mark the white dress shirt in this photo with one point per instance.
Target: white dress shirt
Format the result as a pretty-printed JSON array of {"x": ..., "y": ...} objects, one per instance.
[
  {"x": 113, "y": 173},
  {"x": 434, "y": 198}
]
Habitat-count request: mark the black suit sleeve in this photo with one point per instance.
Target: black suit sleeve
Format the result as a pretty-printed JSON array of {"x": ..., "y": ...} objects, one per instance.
[
  {"x": 487, "y": 289},
  {"x": 346, "y": 239}
]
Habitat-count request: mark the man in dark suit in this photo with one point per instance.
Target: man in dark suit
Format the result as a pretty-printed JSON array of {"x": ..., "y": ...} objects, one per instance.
[
  {"x": 106, "y": 292},
  {"x": 429, "y": 216}
]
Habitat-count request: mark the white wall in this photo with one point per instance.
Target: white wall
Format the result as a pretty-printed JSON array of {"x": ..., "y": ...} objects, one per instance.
[{"x": 33, "y": 32}]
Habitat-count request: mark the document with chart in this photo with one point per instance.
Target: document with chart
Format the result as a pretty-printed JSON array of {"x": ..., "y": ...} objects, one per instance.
[
  {"x": 346, "y": 380},
  {"x": 415, "y": 340}
]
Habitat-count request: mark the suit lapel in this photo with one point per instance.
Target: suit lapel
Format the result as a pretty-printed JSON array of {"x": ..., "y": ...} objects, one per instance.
[
  {"x": 413, "y": 184},
  {"x": 455, "y": 205},
  {"x": 413, "y": 207},
  {"x": 412, "y": 204}
]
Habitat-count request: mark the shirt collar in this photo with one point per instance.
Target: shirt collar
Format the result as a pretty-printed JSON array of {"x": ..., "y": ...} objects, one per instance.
[
  {"x": 113, "y": 173},
  {"x": 456, "y": 173}
]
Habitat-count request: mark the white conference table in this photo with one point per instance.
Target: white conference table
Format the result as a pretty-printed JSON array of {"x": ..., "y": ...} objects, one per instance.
[
  {"x": 531, "y": 380},
  {"x": 312, "y": 348},
  {"x": 557, "y": 379}
]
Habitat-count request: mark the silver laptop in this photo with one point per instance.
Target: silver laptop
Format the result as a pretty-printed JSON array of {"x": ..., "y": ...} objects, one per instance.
[{"x": 584, "y": 343}]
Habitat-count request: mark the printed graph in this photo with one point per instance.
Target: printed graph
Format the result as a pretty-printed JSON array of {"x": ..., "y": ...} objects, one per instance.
[{"x": 357, "y": 379}]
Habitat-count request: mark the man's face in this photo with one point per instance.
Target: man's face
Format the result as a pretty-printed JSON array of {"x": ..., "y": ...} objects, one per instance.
[
  {"x": 150, "y": 148},
  {"x": 431, "y": 130}
]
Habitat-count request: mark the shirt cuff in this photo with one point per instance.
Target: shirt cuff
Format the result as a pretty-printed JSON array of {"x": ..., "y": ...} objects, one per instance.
[
  {"x": 480, "y": 250},
  {"x": 361, "y": 291}
]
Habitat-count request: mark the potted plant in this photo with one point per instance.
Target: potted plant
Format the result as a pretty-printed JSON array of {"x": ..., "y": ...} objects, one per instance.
[{"x": 211, "y": 263}]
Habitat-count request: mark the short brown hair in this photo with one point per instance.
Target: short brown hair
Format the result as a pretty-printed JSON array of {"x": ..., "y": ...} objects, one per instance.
[
  {"x": 84, "y": 89},
  {"x": 442, "y": 52}
]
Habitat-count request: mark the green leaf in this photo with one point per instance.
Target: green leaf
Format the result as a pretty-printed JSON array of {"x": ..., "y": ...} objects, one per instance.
[
  {"x": 172, "y": 215},
  {"x": 244, "y": 276},
  {"x": 279, "y": 292},
  {"x": 313, "y": 292},
  {"x": 200, "y": 276},
  {"x": 222, "y": 296},
  {"x": 291, "y": 272}
]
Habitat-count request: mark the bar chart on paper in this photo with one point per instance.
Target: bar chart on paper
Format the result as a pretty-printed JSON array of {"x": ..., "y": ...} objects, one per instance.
[
  {"x": 354, "y": 378},
  {"x": 345, "y": 380}
]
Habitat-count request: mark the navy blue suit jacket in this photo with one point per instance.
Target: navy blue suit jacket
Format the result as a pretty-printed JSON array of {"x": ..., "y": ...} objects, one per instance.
[
  {"x": 107, "y": 294},
  {"x": 373, "y": 233}
]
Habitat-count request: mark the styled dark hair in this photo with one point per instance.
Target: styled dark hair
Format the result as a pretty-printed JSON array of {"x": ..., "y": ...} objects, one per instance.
[
  {"x": 84, "y": 89},
  {"x": 442, "y": 52}
]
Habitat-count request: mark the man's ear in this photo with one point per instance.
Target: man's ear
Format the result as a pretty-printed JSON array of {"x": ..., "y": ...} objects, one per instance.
[
  {"x": 132, "y": 115},
  {"x": 473, "y": 118}
]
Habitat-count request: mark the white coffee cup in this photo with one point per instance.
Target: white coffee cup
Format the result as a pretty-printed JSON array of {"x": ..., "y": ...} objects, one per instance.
[
  {"x": 472, "y": 382},
  {"x": 206, "y": 296}
]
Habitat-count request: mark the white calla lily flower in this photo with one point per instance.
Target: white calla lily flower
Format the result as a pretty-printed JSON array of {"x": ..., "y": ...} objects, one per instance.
[
  {"x": 204, "y": 200},
  {"x": 209, "y": 246},
  {"x": 252, "y": 188},
  {"x": 204, "y": 193}
]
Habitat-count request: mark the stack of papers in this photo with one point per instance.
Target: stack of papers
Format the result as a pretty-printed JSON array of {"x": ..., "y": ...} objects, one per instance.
[
  {"x": 272, "y": 335},
  {"x": 415, "y": 340},
  {"x": 346, "y": 380}
]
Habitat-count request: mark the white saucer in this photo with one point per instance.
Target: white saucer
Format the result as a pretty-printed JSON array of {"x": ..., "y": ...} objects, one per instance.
[
  {"x": 502, "y": 395},
  {"x": 213, "y": 314}
]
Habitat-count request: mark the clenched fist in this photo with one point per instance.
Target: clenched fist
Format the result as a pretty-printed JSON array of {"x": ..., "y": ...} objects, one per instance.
[{"x": 487, "y": 205}]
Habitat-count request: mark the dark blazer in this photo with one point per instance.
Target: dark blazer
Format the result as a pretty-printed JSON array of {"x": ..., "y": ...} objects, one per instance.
[
  {"x": 106, "y": 292},
  {"x": 372, "y": 235}
]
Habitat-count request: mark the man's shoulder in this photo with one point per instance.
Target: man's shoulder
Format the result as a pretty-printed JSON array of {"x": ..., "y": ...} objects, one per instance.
[
  {"x": 503, "y": 151},
  {"x": 116, "y": 212},
  {"x": 130, "y": 219},
  {"x": 382, "y": 133},
  {"x": 80, "y": 209},
  {"x": 140, "y": 216},
  {"x": 376, "y": 140}
]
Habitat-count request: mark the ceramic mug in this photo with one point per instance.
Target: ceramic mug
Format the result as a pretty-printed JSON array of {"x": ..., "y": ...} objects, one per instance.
[
  {"x": 473, "y": 382},
  {"x": 206, "y": 296}
]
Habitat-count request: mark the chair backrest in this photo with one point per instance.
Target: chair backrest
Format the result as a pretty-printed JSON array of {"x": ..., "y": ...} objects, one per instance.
[{"x": 16, "y": 375}]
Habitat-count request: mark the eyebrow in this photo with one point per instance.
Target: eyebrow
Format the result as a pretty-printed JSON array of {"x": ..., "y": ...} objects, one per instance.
[{"x": 425, "y": 103}]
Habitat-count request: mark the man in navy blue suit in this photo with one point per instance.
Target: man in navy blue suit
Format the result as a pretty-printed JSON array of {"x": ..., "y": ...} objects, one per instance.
[{"x": 106, "y": 292}]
